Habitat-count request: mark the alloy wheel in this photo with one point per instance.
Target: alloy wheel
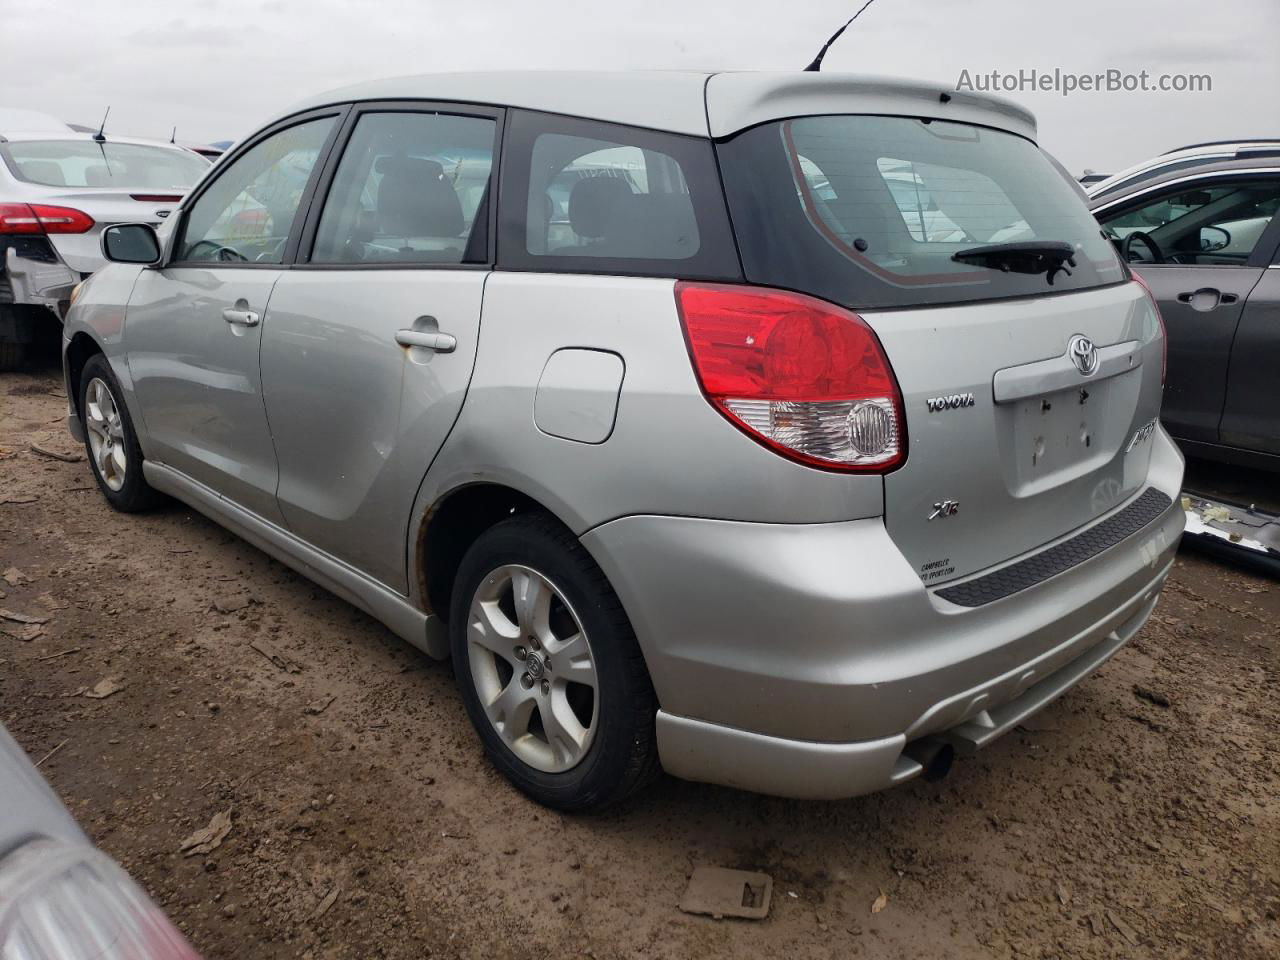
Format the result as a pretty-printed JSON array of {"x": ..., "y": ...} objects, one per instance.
[
  {"x": 106, "y": 433},
  {"x": 532, "y": 667}
]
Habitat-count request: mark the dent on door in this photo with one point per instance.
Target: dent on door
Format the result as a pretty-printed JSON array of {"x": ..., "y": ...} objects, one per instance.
[
  {"x": 360, "y": 396},
  {"x": 197, "y": 379}
]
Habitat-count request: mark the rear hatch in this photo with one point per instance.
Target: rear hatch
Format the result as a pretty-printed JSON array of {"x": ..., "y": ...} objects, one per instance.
[
  {"x": 1041, "y": 448},
  {"x": 1028, "y": 364}
]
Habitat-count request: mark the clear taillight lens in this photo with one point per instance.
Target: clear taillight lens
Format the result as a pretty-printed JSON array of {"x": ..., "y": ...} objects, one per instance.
[
  {"x": 61, "y": 902},
  {"x": 800, "y": 375}
]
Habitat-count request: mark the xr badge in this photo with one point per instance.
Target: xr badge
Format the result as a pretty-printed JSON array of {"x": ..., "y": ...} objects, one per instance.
[{"x": 944, "y": 508}]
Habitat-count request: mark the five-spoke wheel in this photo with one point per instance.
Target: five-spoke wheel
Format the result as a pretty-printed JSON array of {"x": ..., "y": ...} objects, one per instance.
[
  {"x": 106, "y": 433},
  {"x": 110, "y": 440},
  {"x": 532, "y": 668},
  {"x": 549, "y": 667}
]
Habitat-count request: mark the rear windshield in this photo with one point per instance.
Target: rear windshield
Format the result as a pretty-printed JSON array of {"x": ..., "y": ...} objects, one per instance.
[
  {"x": 83, "y": 163},
  {"x": 869, "y": 211}
]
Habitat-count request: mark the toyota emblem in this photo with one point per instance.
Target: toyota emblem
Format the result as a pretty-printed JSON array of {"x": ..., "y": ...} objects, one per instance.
[{"x": 1083, "y": 354}]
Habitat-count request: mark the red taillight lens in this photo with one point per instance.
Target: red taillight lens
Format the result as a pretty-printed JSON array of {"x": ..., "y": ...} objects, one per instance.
[
  {"x": 18, "y": 218},
  {"x": 806, "y": 378},
  {"x": 1164, "y": 333},
  {"x": 40, "y": 218},
  {"x": 62, "y": 219},
  {"x": 252, "y": 219},
  {"x": 157, "y": 197}
]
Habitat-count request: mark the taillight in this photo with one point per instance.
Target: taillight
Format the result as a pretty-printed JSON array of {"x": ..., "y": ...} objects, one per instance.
[
  {"x": 18, "y": 218},
  {"x": 802, "y": 376},
  {"x": 1164, "y": 333},
  {"x": 61, "y": 902},
  {"x": 252, "y": 219},
  {"x": 157, "y": 197},
  {"x": 40, "y": 218}
]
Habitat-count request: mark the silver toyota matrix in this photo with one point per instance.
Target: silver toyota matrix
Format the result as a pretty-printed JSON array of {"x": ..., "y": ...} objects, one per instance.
[{"x": 786, "y": 431}]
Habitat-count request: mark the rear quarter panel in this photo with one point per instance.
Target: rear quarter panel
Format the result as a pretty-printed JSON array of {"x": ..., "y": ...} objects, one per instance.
[{"x": 669, "y": 452}]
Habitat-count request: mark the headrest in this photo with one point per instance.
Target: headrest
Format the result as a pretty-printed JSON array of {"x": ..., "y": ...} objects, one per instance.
[
  {"x": 591, "y": 201},
  {"x": 44, "y": 171},
  {"x": 415, "y": 199},
  {"x": 97, "y": 175},
  {"x": 649, "y": 226}
]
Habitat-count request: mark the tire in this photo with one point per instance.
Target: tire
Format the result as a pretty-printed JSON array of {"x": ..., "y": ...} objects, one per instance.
[
  {"x": 616, "y": 755},
  {"x": 13, "y": 356},
  {"x": 122, "y": 483},
  {"x": 15, "y": 337}
]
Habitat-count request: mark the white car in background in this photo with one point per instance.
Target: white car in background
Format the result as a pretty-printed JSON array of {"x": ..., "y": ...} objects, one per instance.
[
  {"x": 59, "y": 188},
  {"x": 1183, "y": 158}
]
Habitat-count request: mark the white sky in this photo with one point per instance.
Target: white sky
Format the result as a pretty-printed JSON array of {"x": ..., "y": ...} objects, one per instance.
[{"x": 217, "y": 68}]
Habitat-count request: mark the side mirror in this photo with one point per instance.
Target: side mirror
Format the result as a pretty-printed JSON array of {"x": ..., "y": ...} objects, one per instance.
[
  {"x": 131, "y": 243},
  {"x": 1214, "y": 238}
]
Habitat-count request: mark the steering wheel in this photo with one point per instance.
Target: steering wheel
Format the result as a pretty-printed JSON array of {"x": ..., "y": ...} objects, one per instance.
[
  {"x": 222, "y": 254},
  {"x": 1134, "y": 256}
]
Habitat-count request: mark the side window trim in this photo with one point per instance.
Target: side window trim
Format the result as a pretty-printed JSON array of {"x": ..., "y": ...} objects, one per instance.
[
  {"x": 717, "y": 257},
  {"x": 301, "y": 254},
  {"x": 338, "y": 111}
]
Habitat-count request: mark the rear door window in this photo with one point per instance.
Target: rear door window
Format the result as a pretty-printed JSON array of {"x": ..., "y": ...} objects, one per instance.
[
  {"x": 870, "y": 211},
  {"x": 583, "y": 196}
]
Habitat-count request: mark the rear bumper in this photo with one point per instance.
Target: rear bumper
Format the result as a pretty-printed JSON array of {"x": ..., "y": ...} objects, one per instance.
[
  {"x": 45, "y": 282},
  {"x": 698, "y": 750},
  {"x": 800, "y": 660}
]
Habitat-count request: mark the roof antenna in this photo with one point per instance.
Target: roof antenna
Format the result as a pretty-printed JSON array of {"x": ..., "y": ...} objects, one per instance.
[
  {"x": 173, "y": 137},
  {"x": 101, "y": 137},
  {"x": 817, "y": 61}
]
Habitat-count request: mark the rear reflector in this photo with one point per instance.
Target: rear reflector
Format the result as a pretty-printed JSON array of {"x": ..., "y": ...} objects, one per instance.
[
  {"x": 804, "y": 377},
  {"x": 39, "y": 218},
  {"x": 157, "y": 197}
]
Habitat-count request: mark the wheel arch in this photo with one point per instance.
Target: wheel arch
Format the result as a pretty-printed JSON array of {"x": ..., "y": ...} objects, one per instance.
[
  {"x": 78, "y": 352},
  {"x": 453, "y": 522}
]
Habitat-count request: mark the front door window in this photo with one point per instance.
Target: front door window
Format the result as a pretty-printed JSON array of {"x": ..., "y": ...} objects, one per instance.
[
  {"x": 1200, "y": 226},
  {"x": 248, "y": 212}
]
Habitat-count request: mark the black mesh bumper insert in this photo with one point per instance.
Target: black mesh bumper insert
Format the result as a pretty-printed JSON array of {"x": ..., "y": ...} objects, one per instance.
[{"x": 1063, "y": 556}]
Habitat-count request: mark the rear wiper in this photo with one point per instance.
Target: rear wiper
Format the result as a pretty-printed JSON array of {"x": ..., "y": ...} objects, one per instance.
[{"x": 1026, "y": 256}]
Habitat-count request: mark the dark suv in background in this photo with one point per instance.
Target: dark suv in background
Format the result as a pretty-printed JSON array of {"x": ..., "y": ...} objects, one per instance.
[{"x": 1207, "y": 243}]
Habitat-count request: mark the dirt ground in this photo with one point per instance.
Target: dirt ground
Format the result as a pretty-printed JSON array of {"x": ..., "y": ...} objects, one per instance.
[{"x": 1139, "y": 816}]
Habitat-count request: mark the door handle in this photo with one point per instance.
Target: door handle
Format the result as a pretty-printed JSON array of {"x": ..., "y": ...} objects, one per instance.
[
  {"x": 439, "y": 342},
  {"x": 242, "y": 318},
  {"x": 1206, "y": 298}
]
